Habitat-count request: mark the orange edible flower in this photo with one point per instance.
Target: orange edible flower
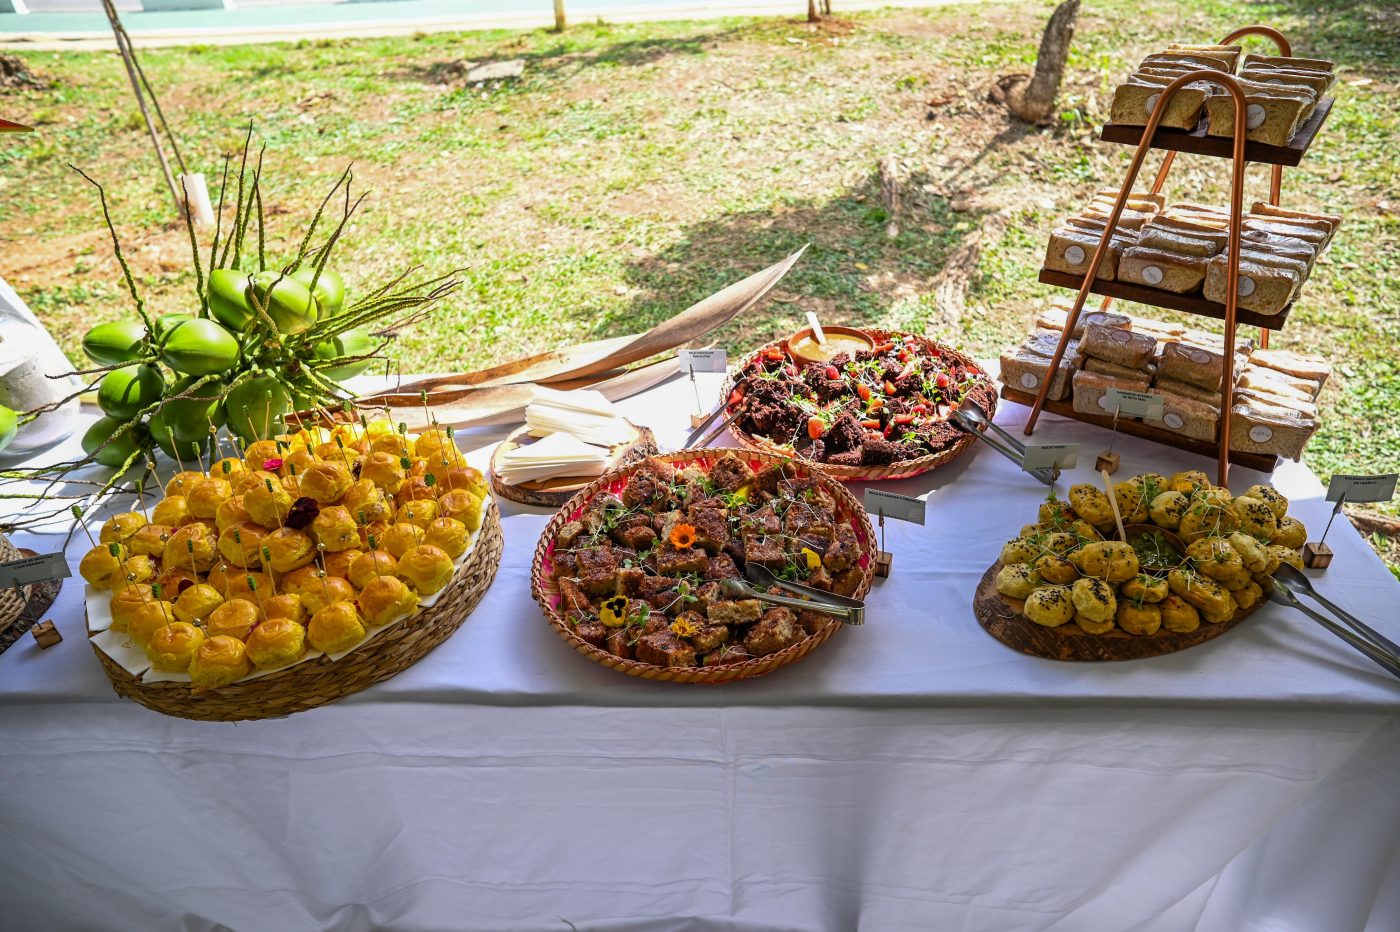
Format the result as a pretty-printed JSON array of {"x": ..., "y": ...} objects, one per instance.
[
  {"x": 683, "y": 628},
  {"x": 682, "y": 536}
]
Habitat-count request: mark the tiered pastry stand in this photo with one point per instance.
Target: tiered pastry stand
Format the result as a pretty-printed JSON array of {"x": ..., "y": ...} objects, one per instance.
[{"x": 1241, "y": 152}]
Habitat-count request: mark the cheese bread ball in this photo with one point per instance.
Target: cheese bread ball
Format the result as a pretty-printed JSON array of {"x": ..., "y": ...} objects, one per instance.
[
  {"x": 1133, "y": 501},
  {"x": 148, "y": 618},
  {"x": 1050, "y": 606},
  {"x": 1188, "y": 481},
  {"x": 1020, "y": 550},
  {"x": 462, "y": 505},
  {"x": 401, "y": 538},
  {"x": 1054, "y": 568},
  {"x": 1207, "y": 519},
  {"x": 125, "y": 601},
  {"x": 235, "y": 618},
  {"x": 173, "y": 647},
  {"x": 1248, "y": 596},
  {"x": 1252, "y": 554},
  {"x": 448, "y": 535},
  {"x": 1256, "y": 517},
  {"x": 426, "y": 568},
  {"x": 219, "y": 661},
  {"x": 335, "y": 627},
  {"x": 241, "y": 544},
  {"x": 207, "y": 495},
  {"x": 1144, "y": 588},
  {"x": 1110, "y": 560},
  {"x": 1091, "y": 626},
  {"x": 1286, "y": 555},
  {"x": 369, "y": 565},
  {"x": 1093, "y": 599},
  {"x": 197, "y": 602},
  {"x": 1201, "y": 591},
  {"x": 335, "y": 529},
  {"x": 288, "y": 549},
  {"x": 1091, "y": 504},
  {"x": 1271, "y": 497},
  {"x": 437, "y": 446},
  {"x": 1016, "y": 580},
  {"x": 150, "y": 540},
  {"x": 339, "y": 562},
  {"x": 1214, "y": 557},
  {"x": 385, "y": 470},
  {"x": 1056, "y": 513},
  {"x": 366, "y": 501},
  {"x": 119, "y": 528},
  {"x": 1178, "y": 615},
  {"x": 192, "y": 547},
  {"x": 286, "y": 605},
  {"x": 326, "y": 482},
  {"x": 1291, "y": 533},
  {"x": 1141, "y": 619},
  {"x": 330, "y": 589},
  {"x": 1167, "y": 510},
  {"x": 390, "y": 443},
  {"x": 268, "y": 501},
  {"x": 386, "y": 598},
  {"x": 275, "y": 642},
  {"x": 172, "y": 510},
  {"x": 102, "y": 566}
]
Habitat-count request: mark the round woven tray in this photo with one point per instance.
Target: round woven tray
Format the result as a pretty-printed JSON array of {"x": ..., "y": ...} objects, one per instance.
[
  {"x": 547, "y": 593},
  {"x": 317, "y": 682},
  {"x": 985, "y": 395}
]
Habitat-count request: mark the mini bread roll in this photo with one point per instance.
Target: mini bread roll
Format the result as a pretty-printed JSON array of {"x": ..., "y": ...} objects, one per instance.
[
  {"x": 1050, "y": 606},
  {"x": 286, "y": 605},
  {"x": 339, "y": 563},
  {"x": 124, "y": 602},
  {"x": 191, "y": 547},
  {"x": 1178, "y": 615},
  {"x": 385, "y": 599},
  {"x": 1167, "y": 510},
  {"x": 267, "y": 500},
  {"x": 335, "y": 529},
  {"x": 1142, "y": 620},
  {"x": 1109, "y": 560},
  {"x": 1093, "y": 599},
  {"x": 326, "y": 482},
  {"x": 275, "y": 642},
  {"x": 384, "y": 469},
  {"x": 1091, "y": 626},
  {"x": 197, "y": 602},
  {"x": 220, "y": 660},
  {"x": 119, "y": 528},
  {"x": 1053, "y": 568},
  {"x": 1144, "y": 588},
  {"x": 1091, "y": 504},
  {"x": 1201, "y": 591},
  {"x": 231, "y": 512},
  {"x": 148, "y": 618},
  {"x": 102, "y": 566},
  {"x": 172, "y": 510},
  {"x": 368, "y": 566},
  {"x": 235, "y": 618},
  {"x": 335, "y": 628},
  {"x": 401, "y": 538},
  {"x": 1256, "y": 517},
  {"x": 366, "y": 501},
  {"x": 150, "y": 540},
  {"x": 463, "y": 505},
  {"x": 328, "y": 591},
  {"x": 1270, "y": 496},
  {"x": 241, "y": 544},
  {"x": 138, "y": 569},
  {"x": 288, "y": 549},
  {"x": 206, "y": 497},
  {"x": 173, "y": 647},
  {"x": 419, "y": 512},
  {"x": 426, "y": 568},
  {"x": 1291, "y": 533},
  {"x": 1214, "y": 557},
  {"x": 448, "y": 535},
  {"x": 1017, "y": 580}
]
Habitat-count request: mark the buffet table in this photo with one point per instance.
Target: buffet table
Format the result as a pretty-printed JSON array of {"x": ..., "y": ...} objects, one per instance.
[{"x": 913, "y": 773}]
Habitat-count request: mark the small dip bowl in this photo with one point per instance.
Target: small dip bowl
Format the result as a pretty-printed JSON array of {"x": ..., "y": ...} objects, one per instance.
[
  {"x": 1156, "y": 568},
  {"x": 804, "y": 348}
]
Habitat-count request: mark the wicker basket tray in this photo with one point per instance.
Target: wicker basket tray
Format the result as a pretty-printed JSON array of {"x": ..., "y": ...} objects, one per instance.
[
  {"x": 984, "y": 395},
  {"x": 317, "y": 682},
  {"x": 547, "y": 593}
]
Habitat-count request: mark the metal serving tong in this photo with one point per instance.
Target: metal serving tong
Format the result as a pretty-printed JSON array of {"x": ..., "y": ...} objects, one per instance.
[
  {"x": 1355, "y": 632},
  {"x": 969, "y": 417},
  {"x": 850, "y": 611}
]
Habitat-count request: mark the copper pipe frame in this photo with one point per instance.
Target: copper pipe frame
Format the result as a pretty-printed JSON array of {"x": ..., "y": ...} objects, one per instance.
[{"x": 1231, "y": 86}]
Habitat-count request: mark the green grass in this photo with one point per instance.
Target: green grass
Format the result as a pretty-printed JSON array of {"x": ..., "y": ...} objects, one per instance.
[{"x": 636, "y": 168}]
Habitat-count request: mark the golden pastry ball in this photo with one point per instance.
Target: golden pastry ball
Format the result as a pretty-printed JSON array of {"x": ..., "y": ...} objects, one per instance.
[
  {"x": 1020, "y": 550},
  {"x": 1050, "y": 606},
  {"x": 1056, "y": 569},
  {"x": 275, "y": 642},
  {"x": 1143, "y": 588},
  {"x": 462, "y": 505},
  {"x": 172, "y": 581},
  {"x": 229, "y": 468},
  {"x": 1291, "y": 533},
  {"x": 298, "y": 463},
  {"x": 241, "y": 545},
  {"x": 182, "y": 482},
  {"x": 389, "y": 444},
  {"x": 102, "y": 566},
  {"x": 1093, "y": 599},
  {"x": 197, "y": 602},
  {"x": 335, "y": 627},
  {"x": 268, "y": 502},
  {"x": 173, "y": 647},
  {"x": 326, "y": 482},
  {"x": 335, "y": 529},
  {"x": 386, "y": 598},
  {"x": 118, "y": 529},
  {"x": 150, "y": 540},
  {"x": 286, "y": 605},
  {"x": 366, "y": 502},
  {"x": 1091, "y": 504},
  {"x": 1252, "y": 554},
  {"x": 147, "y": 619},
  {"x": 125, "y": 601},
  {"x": 448, "y": 535},
  {"x": 1017, "y": 580},
  {"x": 437, "y": 447},
  {"x": 220, "y": 660},
  {"x": 1204, "y": 593},
  {"x": 138, "y": 569},
  {"x": 369, "y": 565},
  {"x": 383, "y": 469},
  {"x": 1141, "y": 619},
  {"x": 302, "y": 579},
  {"x": 207, "y": 495},
  {"x": 1270, "y": 496},
  {"x": 417, "y": 489},
  {"x": 466, "y": 478},
  {"x": 401, "y": 538},
  {"x": 1286, "y": 555},
  {"x": 1248, "y": 596},
  {"x": 191, "y": 546},
  {"x": 1257, "y": 517},
  {"x": 1167, "y": 509},
  {"x": 421, "y": 513},
  {"x": 1189, "y": 481},
  {"x": 1110, "y": 560},
  {"x": 236, "y": 618},
  {"x": 248, "y": 584},
  {"x": 258, "y": 453},
  {"x": 1093, "y": 626},
  {"x": 328, "y": 591},
  {"x": 339, "y": 562},
  {"x": 231, "y": 513},
  {"x": 288, "y": 549},
  {"x": 426, "y": 568},
  {"x": 172, "y": 510}
]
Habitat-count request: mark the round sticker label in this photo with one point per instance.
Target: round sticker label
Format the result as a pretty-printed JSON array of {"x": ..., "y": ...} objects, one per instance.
[
  {"x": 1246, "y": 286},
  {"x": 1151, "y": 103},
  {"x": 1199, "y": 357},
  {"x": 1152, "y": 275},
  {"x": 1030, "y": 380},
  {"x": 1121, "y": 336},
  {"x": 1254, "y": 116},
  {"x": 1074, "y": 254},
  {"x": 1260, "y": 434},
  {"x": 1173, "y": 420},
  {"x": 1103, "y": 402}
]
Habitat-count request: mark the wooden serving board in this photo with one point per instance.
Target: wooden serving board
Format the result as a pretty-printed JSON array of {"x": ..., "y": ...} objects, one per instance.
[
  {"x": 1001, "y": 617},
  {"x": 552, "y": 493}
]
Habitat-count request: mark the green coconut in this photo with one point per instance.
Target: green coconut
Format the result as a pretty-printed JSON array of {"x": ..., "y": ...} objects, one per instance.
[
  {"x": 125, "y": 391},
  {"x": 119, "y": 450},
  {"x": 329, "y": 290},
  {"x": 255, "y": 406},
  {"x": 289, "y": 303},
  {"x": 199, "y": 347},
  {"x": 115, "y": 342},
  {"x": 355, "y": 342},
  {"x": 228, "y": 298}
]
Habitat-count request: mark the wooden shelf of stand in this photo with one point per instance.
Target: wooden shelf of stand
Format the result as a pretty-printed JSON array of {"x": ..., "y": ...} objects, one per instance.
[
  {"x": 1156, "y": 297},
  {"x": 1263, "y": 462},
  {"x": 1197, "y": 142}
]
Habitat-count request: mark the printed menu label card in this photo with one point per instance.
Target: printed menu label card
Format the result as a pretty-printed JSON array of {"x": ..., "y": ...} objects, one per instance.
[
  {"x": 1050, "y": 456},
  {"x": 1362, "y": 488},
  {"x": 33, "y": 569},
  {"x": 893, "y": 505},
  {"x": 704, "y": 360},
  {"x": 1134, "y": 404}
]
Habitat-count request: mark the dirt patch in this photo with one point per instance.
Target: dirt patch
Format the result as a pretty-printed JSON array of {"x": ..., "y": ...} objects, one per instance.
[{"x": 15, "y": 74}]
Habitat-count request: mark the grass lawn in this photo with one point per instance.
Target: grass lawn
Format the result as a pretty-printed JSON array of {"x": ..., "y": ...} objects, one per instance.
[{"x": 636, "y": 168}]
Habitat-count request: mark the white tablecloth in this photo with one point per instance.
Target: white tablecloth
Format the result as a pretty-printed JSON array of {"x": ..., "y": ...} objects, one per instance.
[{"x": 910, "y": 774}]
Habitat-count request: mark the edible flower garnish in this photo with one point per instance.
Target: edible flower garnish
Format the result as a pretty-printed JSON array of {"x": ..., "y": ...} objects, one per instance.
[
  {"x": 613, "y": 612},
  {"x": 814, "y": 561},
  {"x": 683, "y": 628},
  {"x": 683, "y": 536},
  {"x": 272, "y": 464}
]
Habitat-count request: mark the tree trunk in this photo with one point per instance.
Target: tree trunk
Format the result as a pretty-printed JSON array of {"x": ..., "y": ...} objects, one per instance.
[
  {"x": 817, "y": 10},
  {"x": 560, "y": 20},
  {"x": 1034, "y": 100},
  {"x": 889, "y": 194}
]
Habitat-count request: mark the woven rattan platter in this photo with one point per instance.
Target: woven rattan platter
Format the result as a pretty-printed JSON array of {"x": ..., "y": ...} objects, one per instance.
[{"x": 546, "y": 590}]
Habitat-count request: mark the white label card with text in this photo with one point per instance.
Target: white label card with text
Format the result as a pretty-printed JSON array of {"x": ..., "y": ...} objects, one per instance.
[
  {"x": 893, "y": 505},
  {"x": 1362, "y": 488},
  {"x": 1050, "y": 456},
  {"x": 34, "y": 569},
  {"x": 704, "y": 360},
  {"x": 1134, "y": 404}
]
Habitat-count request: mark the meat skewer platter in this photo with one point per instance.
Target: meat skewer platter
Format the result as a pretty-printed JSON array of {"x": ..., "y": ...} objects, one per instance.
[
  {"x": 865, "y": 405},
  {"x": 643, "y": 570},
  {"x": 305, "y": 569},
  {"x": 1189, "y": 565}
]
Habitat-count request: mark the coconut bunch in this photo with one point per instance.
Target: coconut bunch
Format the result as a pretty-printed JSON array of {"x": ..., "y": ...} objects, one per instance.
[{"x": 259, "y": 342}]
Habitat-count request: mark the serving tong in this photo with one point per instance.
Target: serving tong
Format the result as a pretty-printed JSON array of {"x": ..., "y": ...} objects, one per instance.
[
  {"x": 1376, "y": 646},
  {"x": 969, "y": 417},
  {"x": 849, "y": 611}
]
